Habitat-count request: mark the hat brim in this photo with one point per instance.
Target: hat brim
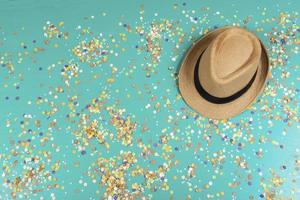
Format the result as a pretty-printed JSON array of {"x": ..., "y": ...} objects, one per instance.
[{"x": 198, "y": 103}]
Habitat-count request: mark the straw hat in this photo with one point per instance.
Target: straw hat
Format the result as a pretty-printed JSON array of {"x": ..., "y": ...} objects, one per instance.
[{"x": 224, "y": 72}]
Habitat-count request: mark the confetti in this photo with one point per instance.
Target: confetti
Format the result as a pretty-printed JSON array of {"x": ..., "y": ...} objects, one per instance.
[{"x": 90, "y": 106}]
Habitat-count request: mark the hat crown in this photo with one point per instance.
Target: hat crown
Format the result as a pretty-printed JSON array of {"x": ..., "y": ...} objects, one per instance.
[
  {"x": 230, "y": 54},
  {"x": 229, "y": 62}
]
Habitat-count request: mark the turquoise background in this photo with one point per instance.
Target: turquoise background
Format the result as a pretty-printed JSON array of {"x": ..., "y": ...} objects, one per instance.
[{"x": 36, "y": 76}]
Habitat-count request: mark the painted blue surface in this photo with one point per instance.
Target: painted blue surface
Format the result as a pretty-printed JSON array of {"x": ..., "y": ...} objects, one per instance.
[{"x": 272, "y": 121}]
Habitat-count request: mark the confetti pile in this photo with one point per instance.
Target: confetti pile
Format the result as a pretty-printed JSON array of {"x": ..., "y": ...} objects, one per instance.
[{"x": 91, "y": 109}]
